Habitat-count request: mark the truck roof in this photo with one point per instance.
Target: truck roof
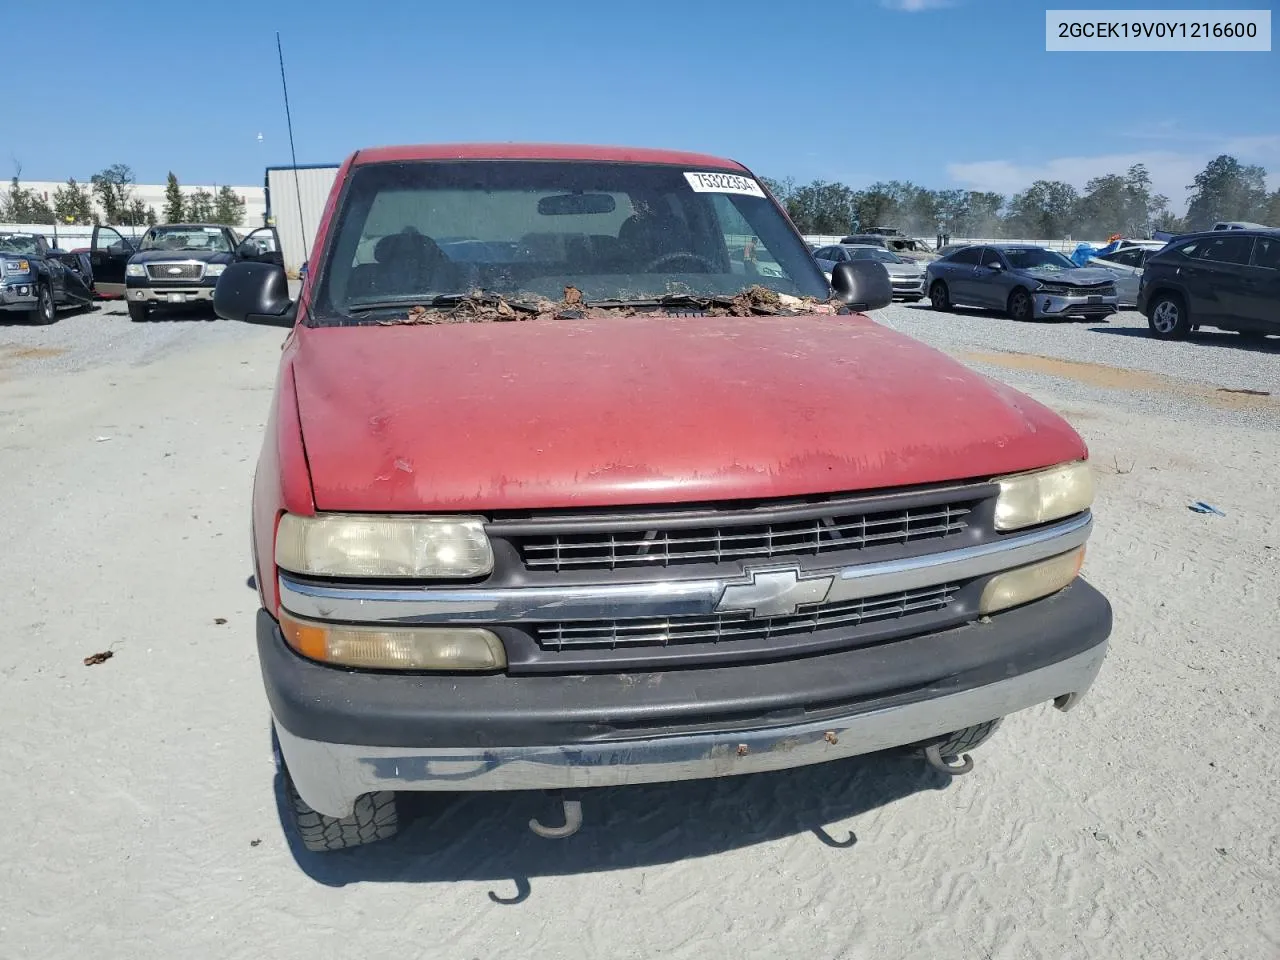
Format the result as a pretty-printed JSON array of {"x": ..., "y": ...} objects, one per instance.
[{"x": 539, "y": 151}]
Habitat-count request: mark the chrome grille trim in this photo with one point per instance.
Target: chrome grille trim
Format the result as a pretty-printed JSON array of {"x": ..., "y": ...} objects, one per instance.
[
  {"x": 348, "y": 602},
  {"x": 187, "y": 270},
  {"x": 668, "y": 631},
  {"x": 723, "y": 540}
]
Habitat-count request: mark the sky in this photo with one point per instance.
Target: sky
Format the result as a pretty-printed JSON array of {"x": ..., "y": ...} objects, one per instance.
[{"x": 944, "y": 93}]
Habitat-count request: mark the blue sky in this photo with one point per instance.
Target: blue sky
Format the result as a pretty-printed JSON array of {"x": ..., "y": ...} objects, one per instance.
[{"x": 791, "y": 90}]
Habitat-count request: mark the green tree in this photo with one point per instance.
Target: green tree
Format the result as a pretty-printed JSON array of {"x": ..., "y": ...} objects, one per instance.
[
  {"x": 1044, "y": 210},
  {"x": 23, "y": 205},
  {"x": 822, "y": 207},
  {"x": 228, "y": 207},
  {"x": 200, "y": 207},
  {"x": 1226, "y": 190},
  {"x": 135, "y": 213},
  {"x": 72, "y": 203},
  {"x": 173, "y": 206},
  {"x": 113, "y": 188},
  {"x": 1272, "y": 215}
]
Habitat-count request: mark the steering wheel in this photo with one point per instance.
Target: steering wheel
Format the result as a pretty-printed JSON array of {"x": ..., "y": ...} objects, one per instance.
[{"x": 656, "y": 262}]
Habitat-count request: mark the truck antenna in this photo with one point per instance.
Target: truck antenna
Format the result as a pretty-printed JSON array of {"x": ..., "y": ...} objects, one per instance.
[{"x": 292, "y": 152}]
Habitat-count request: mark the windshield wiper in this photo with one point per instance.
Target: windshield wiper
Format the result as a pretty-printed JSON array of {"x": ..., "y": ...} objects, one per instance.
[{"x": 438, "y": 302}]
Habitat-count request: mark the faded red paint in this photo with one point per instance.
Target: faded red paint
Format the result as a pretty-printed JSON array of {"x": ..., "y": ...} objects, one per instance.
[
  {"x": 539, "y": 151},
  {"x": 487, "y": 417}
]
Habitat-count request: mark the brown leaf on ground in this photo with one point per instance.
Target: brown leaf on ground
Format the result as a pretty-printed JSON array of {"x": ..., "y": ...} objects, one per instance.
[
  {"x": 96, "y": 658},
  {"x": 572, "y": 296},
  {"x": 219, "y": 620}
]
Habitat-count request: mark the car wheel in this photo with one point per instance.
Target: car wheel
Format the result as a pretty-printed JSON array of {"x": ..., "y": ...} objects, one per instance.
[
  {"x": 1168, "y": 318},
  {"x": 46, "y": 311},
  {"x": 939, "y": 298},
  {"x": 138, "y": 312},
  {"x": 1020, "y": 306}
]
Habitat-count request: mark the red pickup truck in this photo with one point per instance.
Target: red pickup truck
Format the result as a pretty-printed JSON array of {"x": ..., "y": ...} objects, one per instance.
[{"x": 561, "y": 490}]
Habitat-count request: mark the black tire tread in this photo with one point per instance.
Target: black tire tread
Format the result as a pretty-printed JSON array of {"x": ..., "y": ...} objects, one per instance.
[
  {"x": 967, "y": 739},
  {"x": 946, "y": 293},
  {"x": 375, "y": 817},
  {"x": 138, "y": 312}
]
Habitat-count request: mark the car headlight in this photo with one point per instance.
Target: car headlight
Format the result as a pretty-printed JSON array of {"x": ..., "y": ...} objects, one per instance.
[
  {"x": 368, "y": 545},
  {"x": 16, "y": 266},
  {"x": 135, "y": 270},
  {"x": 395, "y": 648},
  {"x": 1016, "y": 587},
  {"x": 214, "y": 269},
  {"x": 1029, "y": 499}
]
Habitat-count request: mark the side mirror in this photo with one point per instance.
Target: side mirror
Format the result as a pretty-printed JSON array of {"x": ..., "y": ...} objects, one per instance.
[
  {"x": 249, "y": 248},
  {"x": 862, "y": 284},
  {"x": 995, "y": 265},
  {"x": 254, "y": 293}
]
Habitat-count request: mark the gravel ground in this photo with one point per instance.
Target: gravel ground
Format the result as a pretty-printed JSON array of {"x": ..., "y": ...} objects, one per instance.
[{"x": 141, "y": 809}]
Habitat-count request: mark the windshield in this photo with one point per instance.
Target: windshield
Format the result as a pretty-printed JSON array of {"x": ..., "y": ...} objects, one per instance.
[
  {"x": 1037, "y": 260},
  {"x": 18, "y": 243},
  {"x": 202, "y": 239},
  {"x": 527, "y": 230},
  {"x": 874, "y": 253}
]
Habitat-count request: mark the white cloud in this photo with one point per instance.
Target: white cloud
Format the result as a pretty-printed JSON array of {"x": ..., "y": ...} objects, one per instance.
[
  {"x": 1171, "y": 170},
  {"x": 915, "y": 6}
]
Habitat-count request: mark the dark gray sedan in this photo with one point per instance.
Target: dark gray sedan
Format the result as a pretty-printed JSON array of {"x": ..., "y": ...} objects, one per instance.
[{"x": 1028, "y": 283}]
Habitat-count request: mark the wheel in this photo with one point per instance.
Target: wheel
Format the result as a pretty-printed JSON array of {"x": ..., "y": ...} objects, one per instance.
[
  {"x": 1168, "y": 317},
  {"x": 45, "y": 312},
  {"x": 138, "y": 312},
  {"x": 955, "y": 744},
  {"x": 375, "y": 817},
  {"x": 1020, "y": 306},
  {"x": 939, "y": 298}
]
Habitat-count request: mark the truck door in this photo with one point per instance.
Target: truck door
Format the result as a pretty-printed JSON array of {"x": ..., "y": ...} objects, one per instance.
[
  {"x": 262, "y": 246},
  {"x": 109, "y": 253}
]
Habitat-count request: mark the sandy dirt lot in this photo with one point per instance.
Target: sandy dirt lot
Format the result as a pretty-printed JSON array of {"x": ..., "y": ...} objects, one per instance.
[{"x": 141, "y": 808}]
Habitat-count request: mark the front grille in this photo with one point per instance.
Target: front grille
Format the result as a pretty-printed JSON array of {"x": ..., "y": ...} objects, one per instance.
[
  {"x": 742, "y": 537},
  {"x": 1101, "y": 290},
  {"x": 184, "y": 271},
  {"x": 668, "y": 631}
]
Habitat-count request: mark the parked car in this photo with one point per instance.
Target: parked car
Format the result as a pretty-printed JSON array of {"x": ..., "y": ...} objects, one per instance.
[
  {"x": 1027, "y": 282},
  {"x": 906, "y": 277},
  {"x": 908, "y": 248},
  {"x": 36, "y": 280},
  {"x": 177, "y": 263},
  {"x": 1240, "y": 225},
  {"x": 1126, "y": 263},
  {"x": 1224, "y": 279},
  {"x": 649, "y": 533}
]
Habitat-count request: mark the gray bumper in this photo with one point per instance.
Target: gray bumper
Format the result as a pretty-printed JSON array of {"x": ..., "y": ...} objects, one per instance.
[
  {"x": 166, "y": 295},
  {"x": 1047, "y": 307},
  {"x": 331, "y": 776},
  {"x": 18, "y": 295}
]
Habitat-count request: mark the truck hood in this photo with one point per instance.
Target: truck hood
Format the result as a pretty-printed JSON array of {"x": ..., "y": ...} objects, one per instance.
[
  {"x": 515, "y": 416},
  {"x": 204, "y": 256}
]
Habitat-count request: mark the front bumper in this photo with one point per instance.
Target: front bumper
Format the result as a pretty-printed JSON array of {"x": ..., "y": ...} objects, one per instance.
[
  {"x": 18, "y": 293},
  {"x": 907, "y": 286},
  {"x": 166, "y": 295},
  {"x": 1051, "y": 306},
  {"x": 344, "y": 733}
]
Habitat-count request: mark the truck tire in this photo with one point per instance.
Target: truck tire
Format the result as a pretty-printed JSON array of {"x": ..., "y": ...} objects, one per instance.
[
  {"x": 139, "y": 312},
  {"x": 955, "y": 744},
  {"x": 375, "y": 817},
  {"x": 46, "y": 311},
  {"x": 1168, "y": 317}
]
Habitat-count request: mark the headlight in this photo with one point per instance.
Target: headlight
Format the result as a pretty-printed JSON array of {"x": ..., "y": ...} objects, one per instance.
[
  {"x": 357, "y": 545},
  {"x": 1029, "y": 499},
  {"x": 16, "y": 266},
  {"x": 1056, "y": 289},
  {"x": 135, "y": 270},
  {"x": 395, "y": 648},
  {"x": 1016, "y": 587},
  {"x": 214, "y": 269}
]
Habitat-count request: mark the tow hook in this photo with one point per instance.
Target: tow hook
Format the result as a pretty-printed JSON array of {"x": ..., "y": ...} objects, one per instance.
[
  {"x": 944, "y": 765},
  {"x": 572, "y": 822}
]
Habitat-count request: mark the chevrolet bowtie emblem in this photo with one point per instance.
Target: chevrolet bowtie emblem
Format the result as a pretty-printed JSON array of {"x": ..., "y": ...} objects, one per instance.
[{"x": 773, "y": 593}]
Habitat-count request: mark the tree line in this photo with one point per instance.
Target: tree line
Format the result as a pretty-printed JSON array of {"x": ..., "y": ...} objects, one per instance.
[
  {"x": 1048, "y": 209},
  {"x": 112, "y": 188}
]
